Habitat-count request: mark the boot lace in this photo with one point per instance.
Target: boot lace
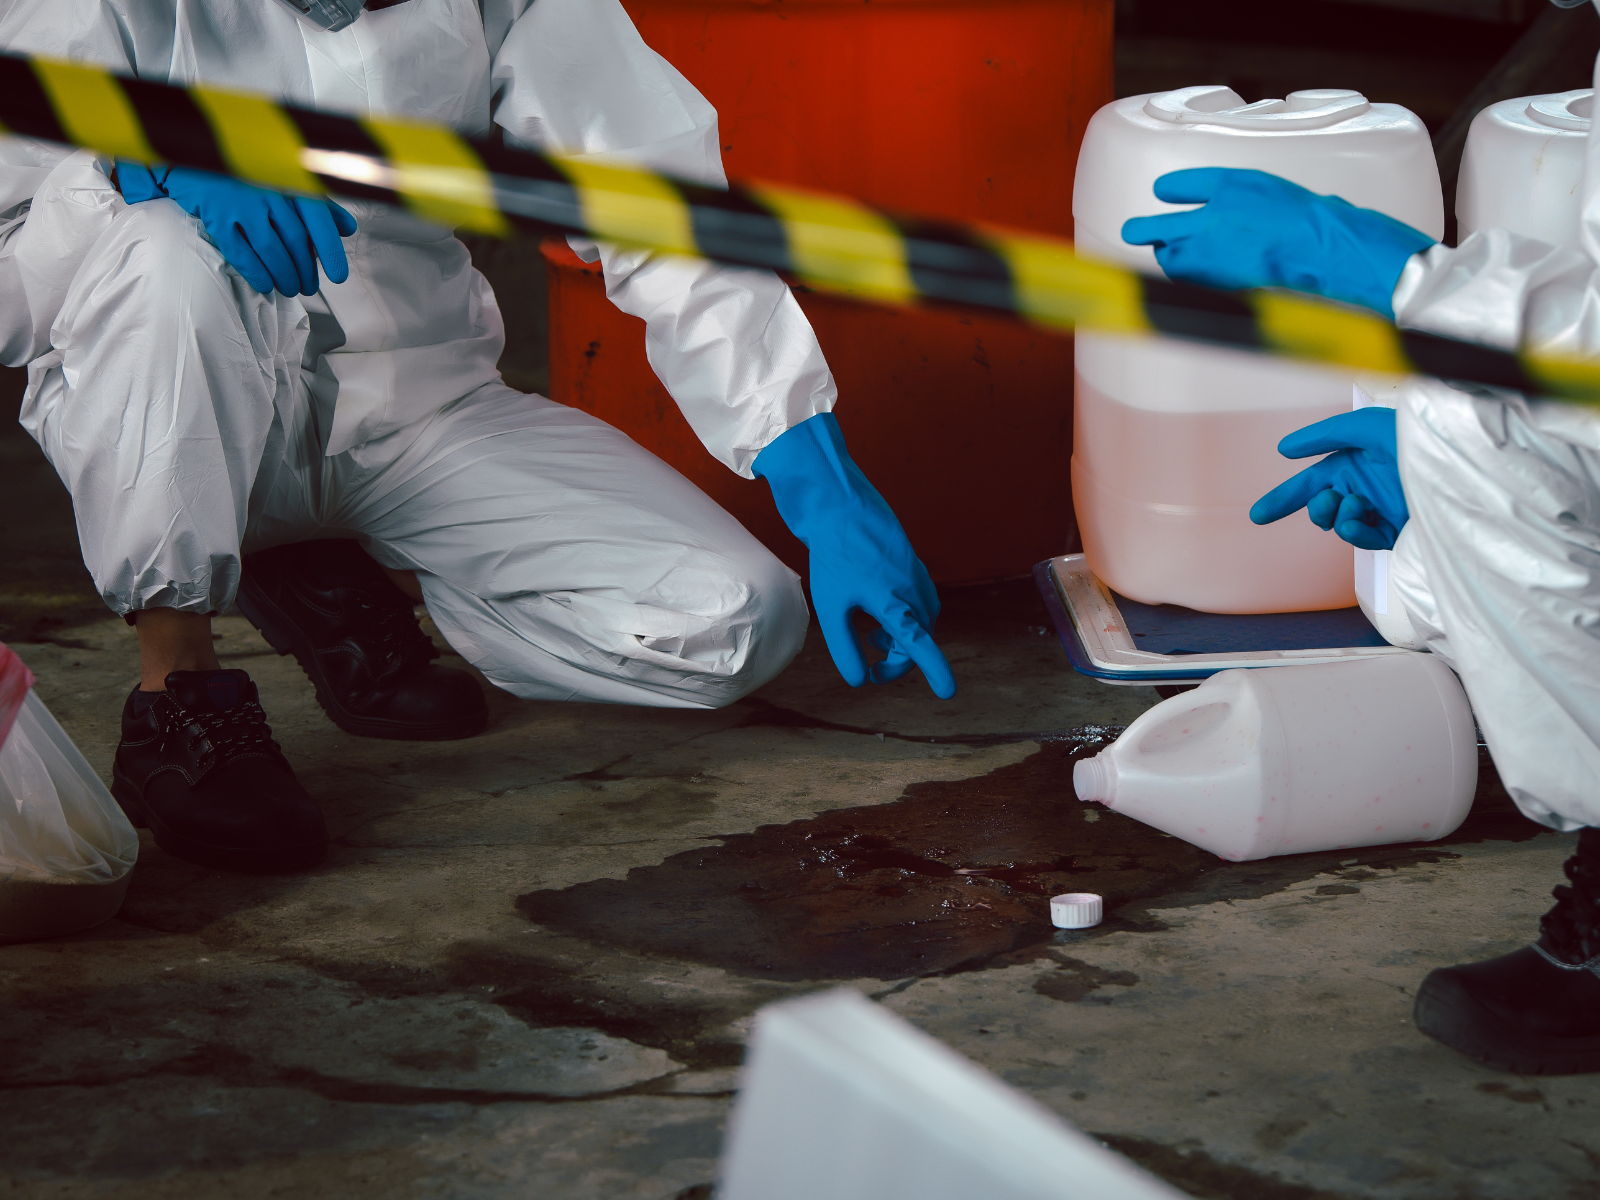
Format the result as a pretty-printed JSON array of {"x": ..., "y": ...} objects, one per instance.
[
  {"x": 1572, "y": 927},
  {"x": 394, "y": 641},
  {"x": 215, "y": 737}
]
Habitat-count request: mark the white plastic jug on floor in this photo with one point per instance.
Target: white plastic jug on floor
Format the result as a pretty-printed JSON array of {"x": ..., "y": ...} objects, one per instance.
[
  {"x": 1292, "y": 760},
  {"x": 1173, "y": 441}
]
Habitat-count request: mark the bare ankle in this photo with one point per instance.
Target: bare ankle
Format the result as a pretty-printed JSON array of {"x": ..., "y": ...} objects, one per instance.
[
  {"x": 170, "y": 640},
  {"x": 406, "y": 581}
]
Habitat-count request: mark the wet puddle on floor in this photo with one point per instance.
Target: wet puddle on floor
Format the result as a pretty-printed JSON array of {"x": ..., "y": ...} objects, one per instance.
[{"x": 947, "y": 877}]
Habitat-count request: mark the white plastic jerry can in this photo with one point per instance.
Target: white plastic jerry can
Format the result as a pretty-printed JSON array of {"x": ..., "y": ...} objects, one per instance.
[
  {"x": 1291, "y": 760},
  {"x": 1522, "y": 168},
  {"x": 1172, "y": 441}
]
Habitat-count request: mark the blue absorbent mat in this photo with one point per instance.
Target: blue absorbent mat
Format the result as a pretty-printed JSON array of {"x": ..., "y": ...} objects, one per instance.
[{"x": 1169, "y": 629}]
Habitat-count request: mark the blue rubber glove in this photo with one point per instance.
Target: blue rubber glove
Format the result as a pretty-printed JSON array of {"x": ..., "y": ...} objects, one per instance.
[
  {"x": 272, "y": 239},
  {"x": 1257, "y": 230},
  {"x": 860, "y": 557},
  {"x": 1355, "y": 491}
]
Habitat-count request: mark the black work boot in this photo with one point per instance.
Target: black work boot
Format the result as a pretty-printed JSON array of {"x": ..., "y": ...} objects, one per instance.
[
  {"x": 197, "y": 765},
  {"x": 1535, "y": 1011},
  {"x": 356, "y": 636}
]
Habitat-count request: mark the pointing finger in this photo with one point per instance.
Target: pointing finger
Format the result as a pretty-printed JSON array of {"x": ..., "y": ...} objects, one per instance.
[
  {"x": 1366, "y": 429},
  {"x": 912, "y": 639},
  {"x": 1289, "y": 496},
  {"x": 1194, "y": 185},
  {"x": 1163, "y": 227}
]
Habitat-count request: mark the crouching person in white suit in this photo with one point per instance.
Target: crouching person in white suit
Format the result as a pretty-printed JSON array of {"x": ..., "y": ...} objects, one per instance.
[
  {"x": 294, "y": 404},
  {"x": 1490, "y": 500}
]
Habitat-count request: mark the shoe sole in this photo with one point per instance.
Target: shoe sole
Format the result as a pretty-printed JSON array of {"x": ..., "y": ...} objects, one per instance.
[
  {"x": 273, "y": 625},
  {"x": 226, "y": 858},
  {"x": 1449, "y": 1014}
]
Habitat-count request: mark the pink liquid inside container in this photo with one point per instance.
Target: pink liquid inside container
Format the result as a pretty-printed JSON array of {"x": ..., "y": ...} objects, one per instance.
[{"x": 1173, "y": 441}]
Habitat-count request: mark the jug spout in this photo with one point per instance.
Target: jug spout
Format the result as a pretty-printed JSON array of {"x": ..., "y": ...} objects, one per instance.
[{"x": 1095, "y": 778}]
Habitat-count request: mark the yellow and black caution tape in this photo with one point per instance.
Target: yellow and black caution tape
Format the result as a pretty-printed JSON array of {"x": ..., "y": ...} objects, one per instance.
[{"x": 828, "y": 242}]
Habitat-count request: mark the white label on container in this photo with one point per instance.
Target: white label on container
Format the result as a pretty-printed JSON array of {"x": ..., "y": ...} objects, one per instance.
[
  {"x": 1372, "y": 566},
  {"x": 1372, "y": 580}
]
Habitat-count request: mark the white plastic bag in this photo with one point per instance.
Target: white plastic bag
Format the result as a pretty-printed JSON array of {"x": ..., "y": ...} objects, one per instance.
[
  {"x": 15, "y": 680},
  {"x": 66, "y": 850}
]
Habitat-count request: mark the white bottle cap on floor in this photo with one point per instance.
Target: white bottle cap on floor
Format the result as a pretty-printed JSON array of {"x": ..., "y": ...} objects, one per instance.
[{"x": 1075, "y": 910}]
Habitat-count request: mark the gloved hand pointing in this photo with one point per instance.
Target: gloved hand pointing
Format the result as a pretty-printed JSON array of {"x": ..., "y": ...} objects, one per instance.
[
  {"x": 272, "y": 239},
  {"x": 860, "y": 557},
  {"x": 1355, "y": 491},
  {"x": 1257, "y": 230}
]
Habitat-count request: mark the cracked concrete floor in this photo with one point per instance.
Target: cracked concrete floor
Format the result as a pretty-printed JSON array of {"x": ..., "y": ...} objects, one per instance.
[{"x": 529, "y": 964}]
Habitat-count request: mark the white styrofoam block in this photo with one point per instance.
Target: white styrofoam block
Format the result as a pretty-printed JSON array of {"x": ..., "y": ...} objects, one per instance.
[{"x": 842, "y": 1099}]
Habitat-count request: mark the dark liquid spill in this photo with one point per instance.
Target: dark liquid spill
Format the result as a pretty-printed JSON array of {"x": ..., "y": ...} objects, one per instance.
[{"x": 945, "y": 878}]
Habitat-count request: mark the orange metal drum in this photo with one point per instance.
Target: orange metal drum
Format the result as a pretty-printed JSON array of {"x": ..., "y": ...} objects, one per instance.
[{"x": 967, "y": 109}]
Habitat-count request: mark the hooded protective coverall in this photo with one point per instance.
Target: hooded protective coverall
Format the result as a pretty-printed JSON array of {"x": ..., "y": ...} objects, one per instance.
[
  {"x": 194, "y": 419},
  {"x": 1499, "y": 565}
]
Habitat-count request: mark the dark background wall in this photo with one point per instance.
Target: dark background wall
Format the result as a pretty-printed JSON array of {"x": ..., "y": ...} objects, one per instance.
[{"x": 1427, "y": 61}]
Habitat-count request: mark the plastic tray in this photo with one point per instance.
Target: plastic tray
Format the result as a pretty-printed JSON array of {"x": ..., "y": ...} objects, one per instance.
[{"x": 1118, "y": 640}]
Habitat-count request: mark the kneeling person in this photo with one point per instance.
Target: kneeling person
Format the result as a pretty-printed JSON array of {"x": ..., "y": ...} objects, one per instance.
[
  {"x": 1490, "y": 500},
  {"x": 293, "y": 405}
]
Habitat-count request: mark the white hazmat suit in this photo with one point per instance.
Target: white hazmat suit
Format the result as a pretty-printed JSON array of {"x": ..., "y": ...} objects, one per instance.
[
  {"x": 194, "y": 419},
  {"x": 1499, "y": 565}
]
